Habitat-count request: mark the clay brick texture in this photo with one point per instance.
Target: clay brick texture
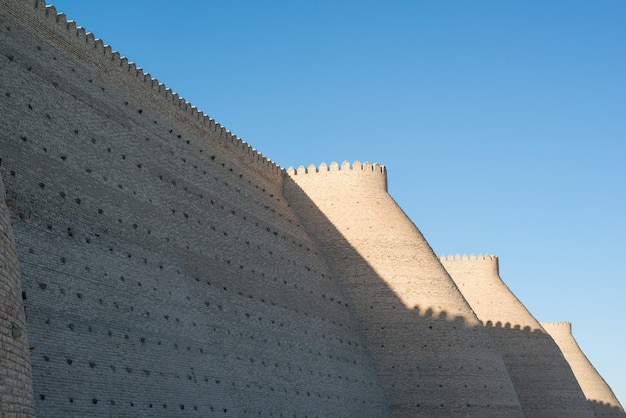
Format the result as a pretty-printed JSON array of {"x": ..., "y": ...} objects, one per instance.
[
  {"x": 165, "y": 273},
  {"x": 154, "y": 264},
  {"x": 15, "y": 369}
]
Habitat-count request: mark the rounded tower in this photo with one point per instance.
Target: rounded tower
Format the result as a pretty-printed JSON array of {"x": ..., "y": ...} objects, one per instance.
[
  {"x": 601, "y": 398},
  {"x": 543, "y": 379},
  {"x": 432, "y": 355}
]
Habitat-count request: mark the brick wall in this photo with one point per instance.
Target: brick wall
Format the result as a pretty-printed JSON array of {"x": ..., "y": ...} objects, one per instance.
[
  {"x": 169, "y": 269},
  {"x": 543, "y": 379},
  {"x": 432, "y": 355},
  {"x": 15, "y": 370},
  {"x": 166, "y": 274},
  {"x": 598, "y": 393}
]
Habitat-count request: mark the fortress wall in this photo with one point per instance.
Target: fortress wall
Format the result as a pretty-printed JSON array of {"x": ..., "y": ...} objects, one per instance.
[
  {"x": 15, "y": 370},
  {"x": 432, "y": 355},
  {"x": 166, "y": 269},
  {"x": 478, "y": 278},
  {"x": 165, "y": 273},
  {"x": 543, "y": 379},
  {"x": 603, "y": 401}
]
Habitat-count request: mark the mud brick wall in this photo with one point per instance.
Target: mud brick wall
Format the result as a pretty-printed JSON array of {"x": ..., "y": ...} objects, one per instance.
[
  {"x": 543, "y": 379},
  {"x": 433, "y": 357},
  {"x": 154, "y": 264},
  {"x": 165, "y": 273},
  {"x": 16, "y": 394}
]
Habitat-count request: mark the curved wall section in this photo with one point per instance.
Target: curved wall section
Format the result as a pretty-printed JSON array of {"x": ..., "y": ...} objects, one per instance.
[
  {"x": 356, "y": 175},
  {"x": 433, "y": 357},
  {"x": 166, "y": 274},
  {"x": 603, "y": 401},
  {"x": 16, "y": 394},
  {"x": 170, "y": 269},
  {"x": 543, "y": 379}
]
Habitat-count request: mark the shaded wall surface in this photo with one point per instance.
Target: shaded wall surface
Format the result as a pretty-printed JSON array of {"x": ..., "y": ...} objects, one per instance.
[
  {"x": 165, "y": 273},
  {"x": 600, "y": 396},
  {"x": 16, "y": 395},
  {"x": 432, "y": 356},
  {"x": 153, "y": 264},
  {"x": 543, "y": 380}
]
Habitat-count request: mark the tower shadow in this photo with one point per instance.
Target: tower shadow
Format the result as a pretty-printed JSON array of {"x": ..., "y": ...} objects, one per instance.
[{"x": 432, "y": 360}]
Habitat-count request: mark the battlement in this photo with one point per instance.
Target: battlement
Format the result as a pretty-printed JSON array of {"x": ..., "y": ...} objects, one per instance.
[
  {"x": 147, "y": 214},
  {"x": 480, "y": 261},
  {"x": 356, "y": 167},
  {"x": 471, "y": 265},
  {"x": 357, "y": 174},
  {"x": 85, "y": 45},
  {"x": 490, "y": 258},
  {"x": 560, "y": 325}
]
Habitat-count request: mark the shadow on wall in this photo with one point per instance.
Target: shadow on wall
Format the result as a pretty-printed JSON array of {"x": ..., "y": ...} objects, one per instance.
[
  {"x": 430, "y": 361},
  {"x": 601, "y": 409},
  {"x": 435, "y": 360},
  {"x": 534, "y": 364}
]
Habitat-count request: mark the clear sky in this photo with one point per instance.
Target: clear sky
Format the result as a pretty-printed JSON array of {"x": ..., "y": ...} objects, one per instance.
[{"x": 502, "y": 124}]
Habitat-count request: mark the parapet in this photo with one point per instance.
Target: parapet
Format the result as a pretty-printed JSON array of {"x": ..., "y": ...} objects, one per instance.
[
  {"x": 479, "y": 262},
  {"x": 77, "y": 40},
  {"x": 357, "y": 167},
  {"x": 355, "y": 174},
  {"x": 559, "y": 325},
  {"x": 489, "y": 258}
]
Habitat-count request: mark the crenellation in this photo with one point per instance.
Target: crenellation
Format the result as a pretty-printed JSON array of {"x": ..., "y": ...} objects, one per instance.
[
  {"x": 561, "y": 324},
  {"x": 81, "y": 33},
  {"x": 61, "y": 18},
  {"x": 346, "y": 176},
  {"x": 345, "y": 167},
  {"x": 472, "y": 257},
  {"x": 90, "y": 40},
  {"x": 99, "y": 46},
  {"x": 180, "y": 272},
  {"x": 116, "y": 58},
  {"x": 50, "y": 9}
]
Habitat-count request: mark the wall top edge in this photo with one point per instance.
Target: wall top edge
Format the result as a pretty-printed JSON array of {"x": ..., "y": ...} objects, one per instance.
[
  {"x": 471, "y": 257},
  {"x": 356, "y": 166},
  {"x": 38, "y": 12},
  {"x": 563, "y": 324}
]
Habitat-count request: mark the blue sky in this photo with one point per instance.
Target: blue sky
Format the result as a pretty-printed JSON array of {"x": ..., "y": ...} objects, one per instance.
[{"x": 502, "y": 124}]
